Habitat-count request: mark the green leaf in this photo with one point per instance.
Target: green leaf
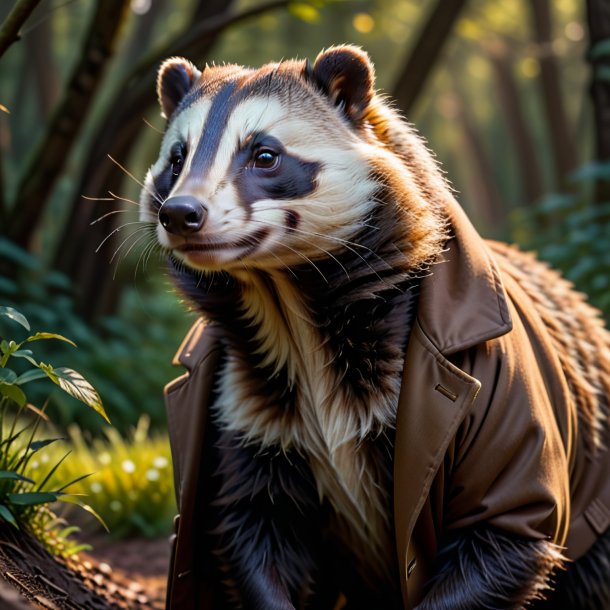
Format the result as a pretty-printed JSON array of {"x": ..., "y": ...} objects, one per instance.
[
  {"x": 7, "y": 515},
  {"x": 52, "y": 472},
  {"x": 13, "y": 392},
  {"x": 13, "y": 314},
  {"x": 25, "y": 353},
  {"x": 602, "y": 73},
  {"x": 39, "y": 336},
  {"x": 38, "y": 445},
  {"x": 555, "y": 202},
  {"x": 22, "y": 258},
  {"x": 68, "y": 531},
  {"x": 8, "y": 376},
  {"x": 32, "y": 498},
  {"x": 74, "y": 481},
  {"x": 86, "y": 508},
  {"x": 15, "y": 476},
  {"x": 595, "y": 170},
  {"x": 30, "y": 376},
  {"x": 8, "y": 349},
  {"x": 600, "y": 49},
  {"x": 74, "y": 384},
  {"x": 78, "y": 549}
]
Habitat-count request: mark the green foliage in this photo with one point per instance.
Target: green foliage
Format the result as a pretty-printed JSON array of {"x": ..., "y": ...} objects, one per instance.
[
  {"x": 131, "y": 486},
  {"x": 572, "y": 232},
  {"x": 56, "y": 533},
  {"x": 111, "y": 350},
  {"x": 24, "y": 499}
]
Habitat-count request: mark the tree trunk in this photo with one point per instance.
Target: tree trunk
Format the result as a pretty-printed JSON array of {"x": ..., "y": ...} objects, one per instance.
[
  {"x": 598, "y": 17},
  {"x": 10, "y": 28},
  {"x": 512, "y": 112},
  {"x": 3, "y": 208},
  {"x": 424, "y": 53},
  {"x": 116, "y": 136},
  {"x": 45, "y": 166},
  {"x": 562, "y": 143},
  {"x": 487, "y": 199},
  {"x": 40, "y": 56},
  {"x": 144, "y": 29}
]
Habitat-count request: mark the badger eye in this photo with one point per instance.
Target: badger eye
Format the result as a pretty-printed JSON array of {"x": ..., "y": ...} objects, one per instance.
[
  {"x": 176, "y": 159},
  {"x": 266, "y": 159}
]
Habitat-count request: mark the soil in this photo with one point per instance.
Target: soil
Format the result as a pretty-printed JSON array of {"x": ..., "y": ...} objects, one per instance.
[
  {"x": 136, "y": 569},
  {"x": 143, "y": 562}
]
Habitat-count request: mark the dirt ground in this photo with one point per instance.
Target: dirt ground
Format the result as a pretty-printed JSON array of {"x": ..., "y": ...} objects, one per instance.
[
  {"x": 144, "y": 562},
  {"x": 141, "y": 564}
]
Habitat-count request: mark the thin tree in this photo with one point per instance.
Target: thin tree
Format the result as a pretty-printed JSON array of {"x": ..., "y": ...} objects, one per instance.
[
  {"x": 517, "y": 126},
  {"x": 563, "y": 148},
  {"x": 45, "y": 165},
  {"x": 598, "y": 18},
  {"x": 425, "y": 52},
  {"x": 10, "y": 30},
  {"x": 119, "y": 128}
]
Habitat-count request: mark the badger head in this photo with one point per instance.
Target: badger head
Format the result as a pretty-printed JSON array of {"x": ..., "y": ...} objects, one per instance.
[{"x": 264, "y": 168}]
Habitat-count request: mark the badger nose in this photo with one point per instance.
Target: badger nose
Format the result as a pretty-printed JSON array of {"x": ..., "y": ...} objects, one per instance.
[{"x": 182, "y": 215}]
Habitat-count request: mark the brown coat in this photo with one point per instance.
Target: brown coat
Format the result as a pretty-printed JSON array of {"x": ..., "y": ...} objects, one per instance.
[{"x": 486, "y": 429}]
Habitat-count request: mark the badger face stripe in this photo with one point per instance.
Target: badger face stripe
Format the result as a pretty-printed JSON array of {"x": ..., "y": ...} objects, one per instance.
[
  {"x": 290, "y": 177},
  {"x": 293, "y": 177},
  {"x": 213, "y": 129}
]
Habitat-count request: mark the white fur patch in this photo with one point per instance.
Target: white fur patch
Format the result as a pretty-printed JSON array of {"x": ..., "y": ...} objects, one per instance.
[{"x": 324, "y": 424}]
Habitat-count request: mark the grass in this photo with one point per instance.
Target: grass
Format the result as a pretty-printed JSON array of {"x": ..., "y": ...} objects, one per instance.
[
  {"x": 131, "y": 484},
  {"x": 25, "y": 499}
]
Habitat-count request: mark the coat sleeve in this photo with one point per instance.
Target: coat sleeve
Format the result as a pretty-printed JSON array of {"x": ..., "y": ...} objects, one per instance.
[{"x": 508, "y": 465}]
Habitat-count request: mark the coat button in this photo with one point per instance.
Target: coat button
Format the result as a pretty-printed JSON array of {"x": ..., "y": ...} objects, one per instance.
[{"x": 411, "y": 567}]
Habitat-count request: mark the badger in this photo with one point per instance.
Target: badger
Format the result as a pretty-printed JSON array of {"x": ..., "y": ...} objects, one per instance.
[{"x": 381, "y": 410}]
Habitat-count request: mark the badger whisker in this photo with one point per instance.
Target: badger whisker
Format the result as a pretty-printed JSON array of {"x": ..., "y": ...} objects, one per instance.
[
  {"x": 89, "y": 198},
  {"x": 146, "y": 254},
  {"x": 149, "y": 246},
  {"x": 149, "y": 124},
  {"x": 308, "y": 261},
  {"x": 116, "y": 230},
  {"x": 106, "y": 215},
  {"x": 125, "y": 199},
  {"x": 123, "y": 255},
  {"x": 125, "y": 241},
  {"x": 154, "y": 195}
]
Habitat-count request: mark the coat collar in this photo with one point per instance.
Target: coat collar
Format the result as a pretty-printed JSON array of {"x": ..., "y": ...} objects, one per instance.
[{"x": 463, "y": 303}]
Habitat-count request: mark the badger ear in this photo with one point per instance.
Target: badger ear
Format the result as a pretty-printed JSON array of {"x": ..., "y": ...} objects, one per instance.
[
  {"x": 347, "y": 76},
  {"x": 175, "y": 79}
]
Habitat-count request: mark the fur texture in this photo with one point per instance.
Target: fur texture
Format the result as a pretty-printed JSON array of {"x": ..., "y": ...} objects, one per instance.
[
  {"x": 585, "y": 584},
  {"x": 317, "y": 213},
  {"x": 483, "y": 568}
]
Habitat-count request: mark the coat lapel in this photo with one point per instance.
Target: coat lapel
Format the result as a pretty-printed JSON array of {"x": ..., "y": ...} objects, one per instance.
[
  {"x": 462, "y": 304},
  {"x": 187, "y": 400},
  {"x": 434, "y": 400}
]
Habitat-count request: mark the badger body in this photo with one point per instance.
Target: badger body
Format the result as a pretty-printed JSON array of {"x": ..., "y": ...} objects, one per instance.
[{"x": 300, "y": 215}]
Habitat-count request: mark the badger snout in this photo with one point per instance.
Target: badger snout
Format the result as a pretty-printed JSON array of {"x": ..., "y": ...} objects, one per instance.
[{"x": 182, "y": 215}]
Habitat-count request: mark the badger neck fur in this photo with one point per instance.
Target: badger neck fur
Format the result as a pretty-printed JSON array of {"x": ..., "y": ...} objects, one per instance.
[{"x": 290, "y": 202}]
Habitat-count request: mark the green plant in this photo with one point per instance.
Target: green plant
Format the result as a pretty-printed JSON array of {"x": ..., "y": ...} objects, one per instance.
[
  {"x": 127, "y": 357},
  {"x": 24, "y": 500},
  {"x": 572, "y": 232},
  {"x": 131, "y": 486}
]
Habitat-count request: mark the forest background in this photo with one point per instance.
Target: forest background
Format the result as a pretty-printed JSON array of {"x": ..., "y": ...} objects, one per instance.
[{"x": 512, "y": 96}]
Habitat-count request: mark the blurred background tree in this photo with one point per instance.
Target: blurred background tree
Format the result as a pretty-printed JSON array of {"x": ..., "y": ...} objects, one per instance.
[{"x": 512, "y": 95}]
